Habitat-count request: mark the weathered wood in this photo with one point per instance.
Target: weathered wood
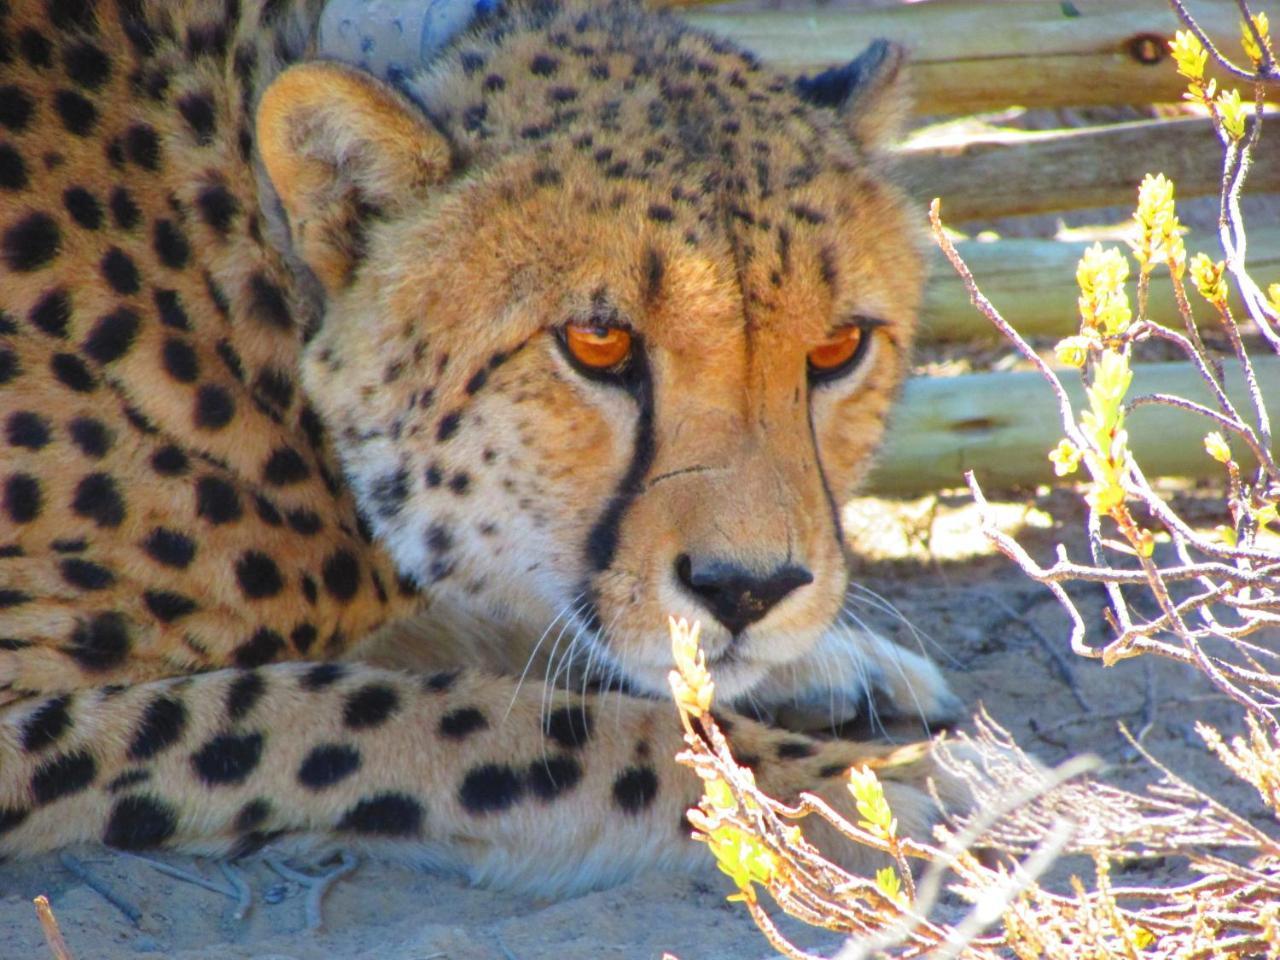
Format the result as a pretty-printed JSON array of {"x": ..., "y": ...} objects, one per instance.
[
  {"x": 973, "y": 56},
  {"x": 1003, "y": 425},
  {"x": 1032, "y": 283},
  {"x": 1011, "y": 173}
]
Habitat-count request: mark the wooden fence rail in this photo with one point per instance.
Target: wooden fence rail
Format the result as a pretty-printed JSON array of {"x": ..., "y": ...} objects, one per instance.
[
  {"x": 975, "y": 56},
  {"x": 1003, "y": 425},
  {"x": 1008, "y": 174},
  {"x": 1033, "y": 283}
]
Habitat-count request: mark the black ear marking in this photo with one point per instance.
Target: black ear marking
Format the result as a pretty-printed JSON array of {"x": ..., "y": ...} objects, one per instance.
[{"x": 841, "y": 86}]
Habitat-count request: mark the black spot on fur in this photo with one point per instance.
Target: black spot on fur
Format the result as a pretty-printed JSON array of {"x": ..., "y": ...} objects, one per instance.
[
  {"x": 46, "y": 724},
  {"x": 160, "y": 728},
  {"x": 243, "y": 694},
  {"x": 228, "y": 758},
  {"x": 440, "y": 682},
  {"x": 305, "y": 522},
  {"x": 550, "y": 777},
  {"x": 795, "y": 750},
  {"x": 268, "y": 304},
  {"x": 93, "y": 437},
  {"x": 13, "y": 169},
  {"x": 11, "y": 818},
  {"x": 27, "y": 429},
  {"x": 654, "y": 269},
  {"x": 385, "y": 814},
  {"x": 261, "y": 648},
  {"x": 217, "y": 206},
  {"x": 63, "y": 776},
  {"x": 252, "y": 815},
  {"x": 370, "y": 706},
  {"x": 114, "y": 334},
  {"x": 101, "y": 642},
  {"x": 170, "y": 461},
  {"x": 214, "y": 407},
  {"x": 448, "y": 425},
  {"x": 180, "y": 360},
  {"x": 491, "y": 788},
  {"x": 285, "y": 466},
  {"x": 322, "y": 675},
  {"x": 389, "y": 491},
  {"x": 543, "y": 66},
  {"x": 83, "y": 207},
  {"x": 123, "y": 209},
  {"x": 16, "y": 107},
  {"x": 171, "y": 244},
  {"x": 73, "y": 373},
  {"x": 571, "y": 726},
  {"x": 142, "y": 146},
  {"x": 86, "y": 65},
  {"x": 78, "y": 114},
  {"x": 342, "y": 575},
  {"x": 52, "y": 313},
  {"x": 13, "y": 598},
  {"x": 97, "y": 498},
  {"x": 35, "y": 48},
  {"x": 198, "y": 110},
  {"x": 120, "y": 271},
  {"x": 635, "y": 788},
  {"x": 258, "y": 575},
  {"x": 166, "y": 606},
  {"x": 217, "y": 500},
  {"x": 461, "y": 723},
  {"x": 303, "y": 636},
  {"x": 31, "y": 243},
  {"x": 139, "y": 823},
  {"x": 328, "y": 764},
  {"x": 22, "y": 498}
]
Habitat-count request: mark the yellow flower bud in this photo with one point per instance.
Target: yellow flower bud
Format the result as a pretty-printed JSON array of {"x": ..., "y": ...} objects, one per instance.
[
  {"x": 1072, "y": 351},
  {"x": 1233, "y": 111},
  {"x": 1273, "y": 294},
  {"x": 1189, "y": 54},
  {"x": 871, "y": 803},
  {"x": 1210, "y": 279},
  {"x": 1065, "y": 457},
  {"x": 1251, "y": 48},
  {"x": 890, "y": 884},
  {"x": 1226, "y": 534},
  {"x": 1216, "y": 446}
]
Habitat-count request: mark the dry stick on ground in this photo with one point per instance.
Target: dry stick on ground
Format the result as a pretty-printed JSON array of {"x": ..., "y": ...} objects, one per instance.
[{"x": 52, "y": 935}]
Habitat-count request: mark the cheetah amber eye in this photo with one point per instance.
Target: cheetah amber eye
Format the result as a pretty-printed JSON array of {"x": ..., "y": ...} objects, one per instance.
[
  {"x": 597, "y": 347},
  {"x": 839, "y": 353}
]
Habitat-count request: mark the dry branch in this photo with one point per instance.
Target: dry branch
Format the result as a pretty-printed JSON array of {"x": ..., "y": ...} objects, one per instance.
[
  {"x": 969, "y": 57},
  {"x": 1002, "y": 426},
  {"x": 1004, "y": 174},
  {"x": 1034, "y": 283}
]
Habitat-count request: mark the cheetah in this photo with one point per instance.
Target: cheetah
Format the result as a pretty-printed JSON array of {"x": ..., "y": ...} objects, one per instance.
[{"x": 361, "y": 432}]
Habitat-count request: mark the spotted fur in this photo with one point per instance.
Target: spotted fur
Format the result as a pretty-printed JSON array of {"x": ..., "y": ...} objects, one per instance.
[{"x": 280, "y": 380}]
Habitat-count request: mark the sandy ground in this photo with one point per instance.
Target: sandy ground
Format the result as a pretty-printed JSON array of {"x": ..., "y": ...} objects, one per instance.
[{"x": 974, "y": 613}]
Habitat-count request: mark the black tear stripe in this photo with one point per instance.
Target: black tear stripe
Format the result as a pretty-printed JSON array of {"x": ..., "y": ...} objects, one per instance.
[
  {"x": 826, "y": 485},
  {"x": 602, "y": 541}
]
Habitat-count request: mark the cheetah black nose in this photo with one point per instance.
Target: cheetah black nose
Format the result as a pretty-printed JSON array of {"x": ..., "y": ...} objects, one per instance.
[{"x": 736, "y": 596}]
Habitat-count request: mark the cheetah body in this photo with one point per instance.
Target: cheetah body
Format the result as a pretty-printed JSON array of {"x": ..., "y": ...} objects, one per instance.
[{"x": 283, "y": 378}]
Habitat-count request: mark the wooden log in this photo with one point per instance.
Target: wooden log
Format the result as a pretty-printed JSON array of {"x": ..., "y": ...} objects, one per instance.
[
  {"x": 1033, "y": 284},
  {"x": 972, "y": 56},
  {"x": 1003, "y": 425},
  {"x": 1011, "y": 173}
]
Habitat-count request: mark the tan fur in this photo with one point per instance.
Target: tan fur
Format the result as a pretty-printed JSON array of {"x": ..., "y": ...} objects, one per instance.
[{"x": 249, "y": 307}]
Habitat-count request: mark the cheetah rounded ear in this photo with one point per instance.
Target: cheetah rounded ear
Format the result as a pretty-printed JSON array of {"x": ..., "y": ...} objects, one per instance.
[
  {"x": 339, "y": 147},
  {"x": 872, "y": 93}
]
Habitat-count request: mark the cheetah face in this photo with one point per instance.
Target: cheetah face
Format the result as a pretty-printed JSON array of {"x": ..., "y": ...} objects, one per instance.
[{"x": 592, "y": 396}]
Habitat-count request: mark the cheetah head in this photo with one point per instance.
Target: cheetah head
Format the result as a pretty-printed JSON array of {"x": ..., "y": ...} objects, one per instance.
[{"x": 610, "y": 326}]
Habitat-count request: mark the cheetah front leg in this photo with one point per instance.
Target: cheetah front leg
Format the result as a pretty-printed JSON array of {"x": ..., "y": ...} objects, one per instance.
[{"x": 551, "y": 793}]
